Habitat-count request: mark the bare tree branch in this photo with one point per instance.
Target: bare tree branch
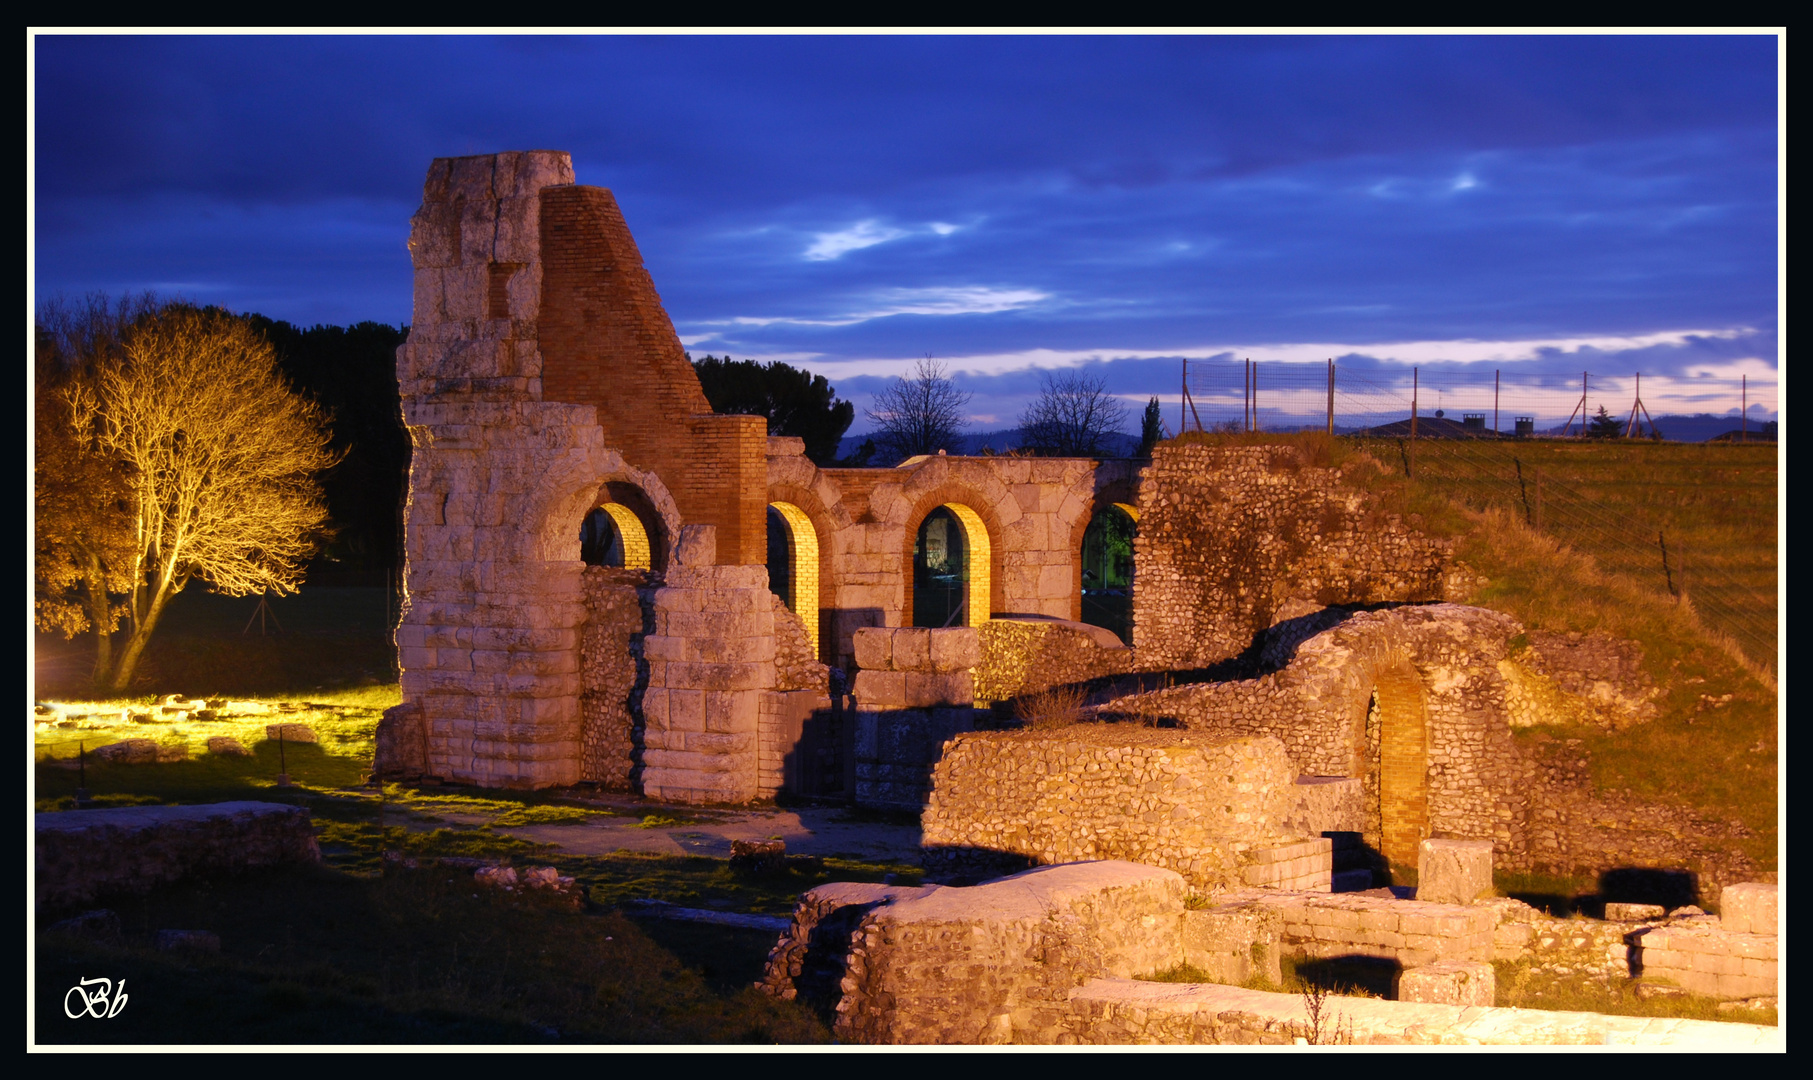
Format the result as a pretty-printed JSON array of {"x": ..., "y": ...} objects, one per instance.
[
  {"x": 1074, "y": 416},
  {"x": 918, "y": 415}
]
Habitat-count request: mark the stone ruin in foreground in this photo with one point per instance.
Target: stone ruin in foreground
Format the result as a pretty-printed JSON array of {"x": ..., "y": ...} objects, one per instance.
[{"x": 607, "y": 583}]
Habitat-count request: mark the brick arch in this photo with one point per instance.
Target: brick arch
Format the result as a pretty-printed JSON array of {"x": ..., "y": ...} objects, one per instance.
[
  {"x": 962, "y": 494},
  {"x": 823, "y": 523}
]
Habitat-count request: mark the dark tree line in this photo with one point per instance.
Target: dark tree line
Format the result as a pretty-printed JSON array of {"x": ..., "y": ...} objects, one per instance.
[
  {"x": 352, "y": 372},
  {"x": 796, "y": 402}
]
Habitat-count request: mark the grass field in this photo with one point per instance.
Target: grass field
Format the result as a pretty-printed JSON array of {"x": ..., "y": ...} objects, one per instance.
[
  {"x": 1712, "y": 507},
  {"x": 347, "y": 953}
]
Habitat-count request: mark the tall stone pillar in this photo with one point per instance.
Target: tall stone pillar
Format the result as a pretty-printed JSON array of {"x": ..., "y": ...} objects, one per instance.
[
  {"x": 709, "y": 661},
  {"x": 489, "y": 638}
]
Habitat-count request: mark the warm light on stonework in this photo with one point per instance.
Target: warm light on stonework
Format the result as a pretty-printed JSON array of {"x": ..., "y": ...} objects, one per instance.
[
  {"x": 802, "y": 550},
  {"x": 635, "y": 537},
  {"x": 976, "y": 533}
]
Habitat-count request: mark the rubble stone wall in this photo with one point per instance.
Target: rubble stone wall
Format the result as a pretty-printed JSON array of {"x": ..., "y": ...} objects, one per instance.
[
  {"x": 83, "y": 854},
  {"x": 996, "y": 964},
  {"x": 1229, "y": 535},
  {"x": 611, "y": 675},
  {"x": 1026, "y": 656},
  {"x": 1205, "y": 807}
]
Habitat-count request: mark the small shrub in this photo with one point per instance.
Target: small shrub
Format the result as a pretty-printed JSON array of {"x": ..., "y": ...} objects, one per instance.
[{"x": 1048, "y": 710}]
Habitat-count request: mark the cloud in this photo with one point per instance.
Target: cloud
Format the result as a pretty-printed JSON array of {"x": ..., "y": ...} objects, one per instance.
[
  {"x": 831, "y": 245},
  {"x": 932, "y": 300}
]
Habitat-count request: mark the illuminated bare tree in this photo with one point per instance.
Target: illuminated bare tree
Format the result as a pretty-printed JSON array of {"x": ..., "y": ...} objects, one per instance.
[
  {"x": 1074, "y": 416},
  {"x": 208, "y": 460},
  {"x": 918, "y": 415}
]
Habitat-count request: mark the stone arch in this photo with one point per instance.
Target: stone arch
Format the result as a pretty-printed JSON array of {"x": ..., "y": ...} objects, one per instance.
[
  {"x": 981, "y": 530},
  {"x": 575, "y": 492},
  {"x": 1397, "y": 742},
  {"x": 1111, "y": 605}
]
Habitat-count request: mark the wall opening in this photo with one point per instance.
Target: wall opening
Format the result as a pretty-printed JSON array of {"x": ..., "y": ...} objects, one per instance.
[
  {"x": 951, "y": 555},
  {"x": 1107, "y": 560},
  {"x": 612, "y": 535},
  {"x": 793, "y": 564},
  {"x": 1403, "y": 765}
]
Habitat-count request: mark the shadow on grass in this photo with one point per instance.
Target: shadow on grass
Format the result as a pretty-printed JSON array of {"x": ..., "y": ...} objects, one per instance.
[{"x": 314, "y": 955}]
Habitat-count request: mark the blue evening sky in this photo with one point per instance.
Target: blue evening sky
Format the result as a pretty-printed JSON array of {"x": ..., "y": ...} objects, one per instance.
[{"x": 1004, "y": 204}]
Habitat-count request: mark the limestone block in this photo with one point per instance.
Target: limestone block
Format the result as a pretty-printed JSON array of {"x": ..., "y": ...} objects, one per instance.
[
  {"x": 732, "y": 710},
  {"x": 696, "y": 547},
  {"x": 227, "y": 746},
  {"x": 912, "y": 648},
  {"x": 1749, "y": 908},
  {"x": 883, "y": 689},
  {"x": 874, "y": 648},
  {"x": 1449, "y": 983},
  {"x": 1454, "y": 871},
  {"x": 1616, "y": 912},
  {"x": 956, "y": 648},
  {"x": 296, "y": 733},
  {"x": 927, "y": 688}
]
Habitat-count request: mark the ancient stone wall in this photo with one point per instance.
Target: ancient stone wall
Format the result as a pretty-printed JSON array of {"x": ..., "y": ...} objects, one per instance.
[
  {"x": 1229, "y": 535},
  {"x": 1033, "y": 510},
  {"x": 610, "y": 655},
  {"x": 1026, "y": 656},
  {"x": 1206, "y": 808},
  {"x": 82, "y": 854},
  {"x": 914, "y": 691},
  {"x": 710, "y": 659},
  {"x": 997, "y": 963}
]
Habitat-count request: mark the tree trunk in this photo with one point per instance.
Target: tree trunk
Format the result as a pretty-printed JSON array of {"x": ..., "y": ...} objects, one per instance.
[
  {"x": 100, "y": 616},
  {"x": 142, "y": 627}
]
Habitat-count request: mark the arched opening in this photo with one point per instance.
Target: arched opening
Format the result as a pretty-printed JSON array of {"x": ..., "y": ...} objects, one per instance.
[
  {"x": 951, "y": 555},
  {"x": 793, "y": 564},
  {"x": 1397, "y": 726},
  {"x": 1107, "y": 575},
  {"x": 612, "y": 535}
]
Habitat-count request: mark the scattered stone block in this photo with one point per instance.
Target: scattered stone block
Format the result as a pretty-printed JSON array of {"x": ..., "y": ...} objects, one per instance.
[
  {"x": 1454, "y": 871},
  {"x": 1449, "y": 983},
  {"x": 126, "y": 752},
  {"x": 299, "y": 733},
  {"x": 101, "y": 924},
  {"x": 497, "y": 877},
  {"x": 227, "y": 746},
  {"x": 188, "y": 941},
  {"x": 758, "y": 856},
  {"x": 1615, "y": 912},
  {"x": 1749, "y": 908}
]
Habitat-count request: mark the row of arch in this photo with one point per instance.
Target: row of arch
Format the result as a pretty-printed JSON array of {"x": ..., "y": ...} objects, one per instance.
[{"x": 953, "y": 560}]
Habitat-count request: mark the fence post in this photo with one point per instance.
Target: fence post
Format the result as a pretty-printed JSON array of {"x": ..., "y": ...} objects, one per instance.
[
  {"x": 1331, "y": 395},
  {"x": 1743, "y": 411},
  {"x": 1414, "y": 384},
  {"x": 1662, "y": 542},
  {"x": 1495, "y": 401},
  {"x": 1538, "y": 500}
]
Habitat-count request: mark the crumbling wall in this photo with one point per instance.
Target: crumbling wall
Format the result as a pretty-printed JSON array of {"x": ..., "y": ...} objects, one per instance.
[
  {"x": 82, "y": 854},
  {"x": 610, "y": 651},
  {"x": 1204, "y": 807},
  {"x": 1026, "y": 656},
  {"x": 795, "y": 665},
  {"x": 1228, "y": 535},
  {"x": 997, "y": 963}
]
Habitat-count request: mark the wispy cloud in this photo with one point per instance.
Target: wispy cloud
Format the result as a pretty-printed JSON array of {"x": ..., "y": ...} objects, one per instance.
[
  {"x": 831, "y": 245},
  {"x": 932, "y": 300}
]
